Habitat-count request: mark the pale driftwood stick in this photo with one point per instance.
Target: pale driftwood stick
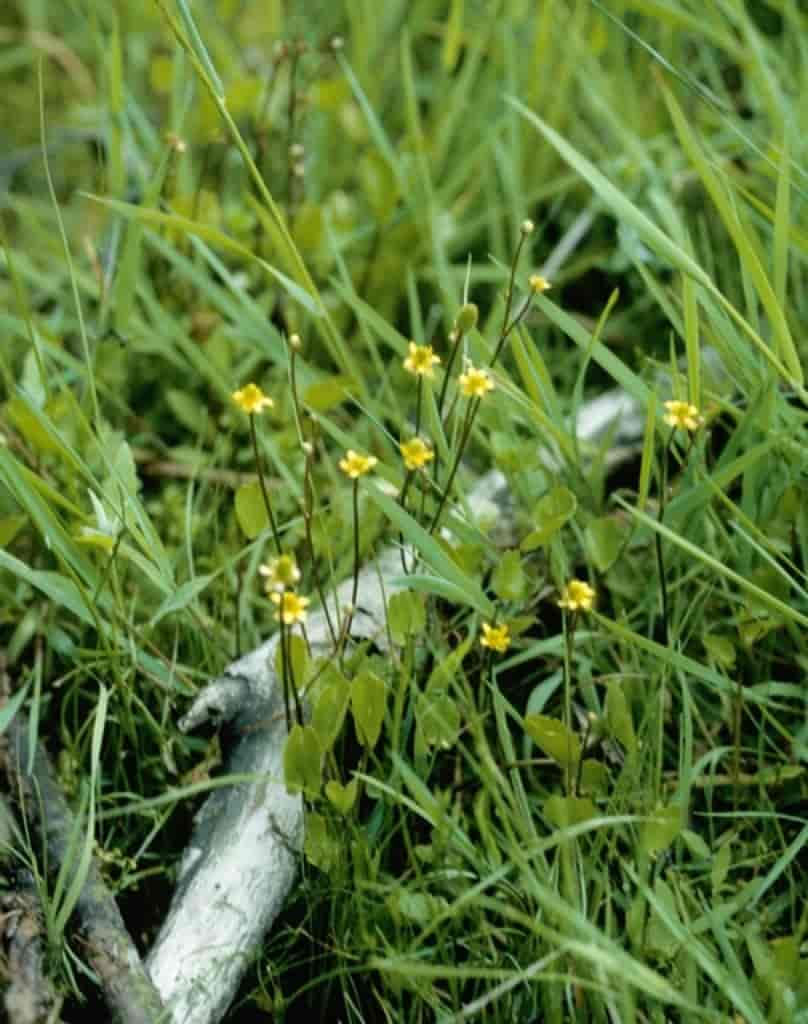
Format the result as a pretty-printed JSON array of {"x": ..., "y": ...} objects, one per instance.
[{"x": 129, "y": 992}]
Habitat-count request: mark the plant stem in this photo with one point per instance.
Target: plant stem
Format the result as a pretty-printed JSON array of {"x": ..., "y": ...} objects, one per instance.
[
  {"x": 658, "y": 541},
  {"x": 264, "y": 493},
  {"x": 464, "y": 436},
  {"x": 569, "y": 634},
  {"x": 355, "y": 589}
]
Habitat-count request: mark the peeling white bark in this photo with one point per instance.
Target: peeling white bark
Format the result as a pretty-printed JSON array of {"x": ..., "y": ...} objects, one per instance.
[{"x": 242, "y": 858}]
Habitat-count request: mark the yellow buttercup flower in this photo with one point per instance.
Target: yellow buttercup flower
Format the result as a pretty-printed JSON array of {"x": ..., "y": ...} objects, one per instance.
[
  {"x": 291, "y": 607},
  {"x": 421, "y": 360},
  {"x": 416, "y": 453},
  {"x": 577, "y": 595},
  {"x": 251, "y": 399},
  {"x": 539, "y": 284},
  {"x": 355, "y": 465},
  {"x": 682, "y": 415},
  {"x": 281, "y": 573},
  {"x": 475, "y": 383},
  {"x": 497, "y": 638}
]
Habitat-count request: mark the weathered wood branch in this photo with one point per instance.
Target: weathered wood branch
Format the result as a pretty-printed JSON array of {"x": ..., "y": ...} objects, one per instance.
[{"x": 129, "y": 992}]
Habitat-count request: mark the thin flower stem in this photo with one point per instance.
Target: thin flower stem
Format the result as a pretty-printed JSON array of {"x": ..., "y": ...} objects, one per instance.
[
  {"x": 419, "y": 401},
  {"x": 308, "y": 491},
  {"x": 285, "y": 678},
  {"x": 569, "y": 635},
  {"x": 509, "y": 328},
  {"x": 511, "y": 282},
  {"x": 308, "y": 504},
  {"x": 445, "y": 383},
  {"x": 464, "y": 436},
  {"x": 264, "y": 493},
  {"x": 355, "y": 589},
  {"x": 402, "y": 500},
  {"x": 663, "y": 585}
]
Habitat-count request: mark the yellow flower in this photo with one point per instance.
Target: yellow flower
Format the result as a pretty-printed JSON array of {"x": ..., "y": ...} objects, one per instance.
[
  {"x": 475, "y": 383},
  {"x": 421, "y": 360},
  {"x": 416, "y": 453},
  {"x": 281, "y": 573},
  {"x": 539, "y": 284},
  {"x": 355, "y": 465},
  {"x": 577, "y": 595},
  {"x": 683, "y": 415},
  {"x": 291, "y": 607},
  {"x": 251, "y": 399},
  {"x": 498, "y": 638}
]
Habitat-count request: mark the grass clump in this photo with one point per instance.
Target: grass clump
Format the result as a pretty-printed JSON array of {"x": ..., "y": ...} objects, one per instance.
[{"x": 275, "y": 293}]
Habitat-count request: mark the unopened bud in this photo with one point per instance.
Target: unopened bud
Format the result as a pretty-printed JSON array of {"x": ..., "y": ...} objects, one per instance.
[
  {"x": 336, "y": 43},
  {"x": 527, "y": 227},
  {"x": 467, "y": 318},
  {"x": 179, "y": 145},
  {"x": 296, "y": 151},
  {"x": 295, "y": 342},
  {"x": 308, "y": 449}
]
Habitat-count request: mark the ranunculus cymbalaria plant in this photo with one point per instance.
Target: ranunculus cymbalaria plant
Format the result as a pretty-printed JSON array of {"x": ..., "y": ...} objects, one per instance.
[
  {"x": 464, "y": 375},
  {"x": 683, "y": 418}
]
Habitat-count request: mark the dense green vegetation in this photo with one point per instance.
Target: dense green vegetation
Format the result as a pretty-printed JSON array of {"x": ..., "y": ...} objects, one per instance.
[{"x": 606, "y": 819}]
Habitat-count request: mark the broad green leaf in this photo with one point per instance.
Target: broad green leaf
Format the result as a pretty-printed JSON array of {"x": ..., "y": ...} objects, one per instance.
[
  {"x": 321, "y": 846},
  {"x": 251, "y": 512},
  {"x": 302, "y": 761},
  {"x": 594, "y": 777},
  {"x": 604, "y": 539},
  {"x": 554, "y": 739},
  {"x": 660, "y": 829},
  {"x": 551, "y": 513},
  {"x": 565, "y": 811},
  {"x": 343, "y": 797},
  {"x": 508, "y": 581},
  {"x": 330, "y": 705},
  {"x": 406, "y": 615},
  {"x": 438, "y": 718},
  {"x": 368, "y": 701}
]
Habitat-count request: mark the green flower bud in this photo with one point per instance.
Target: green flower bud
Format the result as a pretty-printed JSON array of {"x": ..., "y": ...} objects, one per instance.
[{"x": 467, "y": 317}]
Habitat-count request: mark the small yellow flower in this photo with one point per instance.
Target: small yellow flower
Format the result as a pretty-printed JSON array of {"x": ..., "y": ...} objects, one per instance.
[
  {"x": 251, "y": 399},
  {"x": 281, "y": 573},
  {"x": 498, "y": 638},
  {"x": 475, "y": 383},
  {"x": 539, "y": 284},
  {"x": 683, "y": 415},
  {"x": 577, "y": 595},
  {"x": 355, "y": 465},
  {"x": 416, "y": 453},
  {"x": 291, "y": 607},
  {"x": 421, "y": 360}
]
